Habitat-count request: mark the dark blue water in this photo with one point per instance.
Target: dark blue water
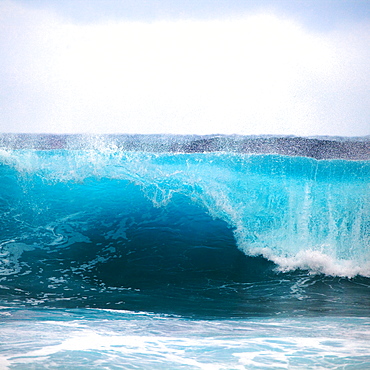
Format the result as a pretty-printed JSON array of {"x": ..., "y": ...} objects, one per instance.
[{"x": 226, "y": 238}]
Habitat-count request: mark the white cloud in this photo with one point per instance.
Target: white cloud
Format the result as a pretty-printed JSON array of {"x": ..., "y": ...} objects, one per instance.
[{"x": 258, "y": 74}]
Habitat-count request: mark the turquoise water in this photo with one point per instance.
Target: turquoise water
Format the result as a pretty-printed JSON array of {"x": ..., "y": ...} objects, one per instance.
[{"x": 112, "y": 257}]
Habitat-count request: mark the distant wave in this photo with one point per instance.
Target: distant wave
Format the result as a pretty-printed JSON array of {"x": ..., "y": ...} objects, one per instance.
[{"x": 357, "y": 148}]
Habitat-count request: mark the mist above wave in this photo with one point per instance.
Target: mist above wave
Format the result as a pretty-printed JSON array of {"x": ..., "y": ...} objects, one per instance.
[{"x": 357, "y": 148}]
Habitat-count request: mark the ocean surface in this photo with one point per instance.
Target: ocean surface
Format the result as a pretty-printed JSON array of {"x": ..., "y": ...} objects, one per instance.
[{"x": 184, "y": 252}]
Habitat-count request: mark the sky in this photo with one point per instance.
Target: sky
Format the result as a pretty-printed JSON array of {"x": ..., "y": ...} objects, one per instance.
[{"x": 185, "y": 67}]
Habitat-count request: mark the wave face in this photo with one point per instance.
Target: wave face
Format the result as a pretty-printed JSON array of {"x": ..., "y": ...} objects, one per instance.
[{"x": 167, "y": 231}]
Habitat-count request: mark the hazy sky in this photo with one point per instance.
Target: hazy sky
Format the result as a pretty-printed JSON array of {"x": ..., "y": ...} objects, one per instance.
[{"x": 185, "y": 66}]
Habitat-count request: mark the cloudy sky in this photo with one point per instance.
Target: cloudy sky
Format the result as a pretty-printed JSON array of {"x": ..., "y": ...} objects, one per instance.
[{"x": 185, "y": 66}]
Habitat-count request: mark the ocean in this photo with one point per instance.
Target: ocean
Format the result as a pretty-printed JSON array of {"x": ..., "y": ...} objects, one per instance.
[{"x": 184, "y": 252}]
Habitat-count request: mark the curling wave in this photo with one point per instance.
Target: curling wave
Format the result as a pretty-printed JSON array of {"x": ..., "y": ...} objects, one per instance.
[{"x": 77, "y": 223}]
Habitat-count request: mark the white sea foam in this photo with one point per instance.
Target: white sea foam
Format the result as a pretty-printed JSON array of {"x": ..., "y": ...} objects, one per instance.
[
  {"x": 316, "y": 262},
  {"x": 157, "y": 342}
]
